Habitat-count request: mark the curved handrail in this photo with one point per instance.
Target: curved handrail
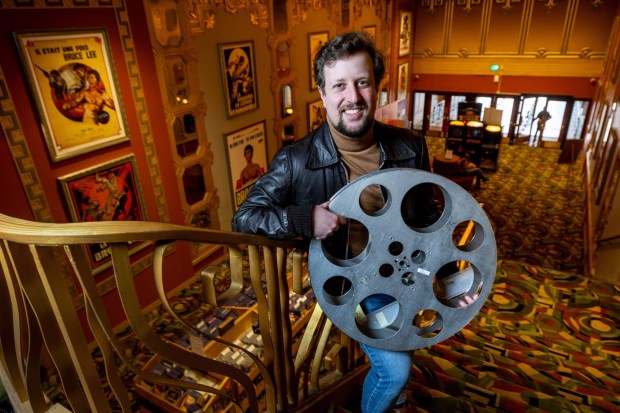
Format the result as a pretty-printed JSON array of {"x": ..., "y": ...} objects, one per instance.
[
  {"x": 35, "y": 251},
  {"x": 43, "y": 233}
]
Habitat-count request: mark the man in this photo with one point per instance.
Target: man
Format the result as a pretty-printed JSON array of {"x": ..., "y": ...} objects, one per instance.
[
  {"x": 251, "y": 171},
  {"x": 292, "y": 198},
  {"x": 543, "y": 116}
]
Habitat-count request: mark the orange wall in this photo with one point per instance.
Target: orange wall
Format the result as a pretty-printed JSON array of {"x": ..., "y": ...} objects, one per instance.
[
  {"x": 15, "y": 201},
  {"x": 579, "y": 87}
]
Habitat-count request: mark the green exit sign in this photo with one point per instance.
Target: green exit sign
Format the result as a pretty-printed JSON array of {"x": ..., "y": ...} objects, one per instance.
[{"x": 495, "y": 68}]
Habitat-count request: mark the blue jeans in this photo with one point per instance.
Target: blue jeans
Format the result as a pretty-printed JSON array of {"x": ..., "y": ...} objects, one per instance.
[{"x": 388, "y": 375}]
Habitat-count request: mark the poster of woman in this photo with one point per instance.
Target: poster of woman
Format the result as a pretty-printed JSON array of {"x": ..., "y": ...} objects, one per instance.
[{"x": 72, "y": 79}]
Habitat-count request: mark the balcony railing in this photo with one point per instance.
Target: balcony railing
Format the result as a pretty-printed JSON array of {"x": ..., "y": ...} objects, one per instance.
[{"x": 39, "y": 315}]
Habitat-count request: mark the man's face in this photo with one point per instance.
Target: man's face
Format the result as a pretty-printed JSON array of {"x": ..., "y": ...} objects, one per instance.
[{"x": 350, "y": 96}]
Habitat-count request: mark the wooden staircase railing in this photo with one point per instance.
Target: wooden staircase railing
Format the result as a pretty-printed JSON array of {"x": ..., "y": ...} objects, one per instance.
[{"x": 38, "y": 314}]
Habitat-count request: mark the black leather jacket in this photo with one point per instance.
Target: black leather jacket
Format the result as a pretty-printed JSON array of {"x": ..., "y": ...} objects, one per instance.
[{"x": 309, "y": 172}]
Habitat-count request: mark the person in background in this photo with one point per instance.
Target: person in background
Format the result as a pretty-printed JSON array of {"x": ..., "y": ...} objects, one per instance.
[
  {"x": 471, "y": 169},
  {"x": 543, "y": 116}
]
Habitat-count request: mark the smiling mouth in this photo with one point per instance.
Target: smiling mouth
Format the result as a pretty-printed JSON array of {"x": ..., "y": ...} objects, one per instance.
[{"x": 353, "y": 110}]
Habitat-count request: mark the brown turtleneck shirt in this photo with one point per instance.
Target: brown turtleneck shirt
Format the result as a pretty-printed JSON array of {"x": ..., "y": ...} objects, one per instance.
[{"x": 360, "y": 156}]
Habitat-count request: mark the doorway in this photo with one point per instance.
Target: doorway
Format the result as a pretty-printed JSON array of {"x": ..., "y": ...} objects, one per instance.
[{"x": 542, "y": 121}]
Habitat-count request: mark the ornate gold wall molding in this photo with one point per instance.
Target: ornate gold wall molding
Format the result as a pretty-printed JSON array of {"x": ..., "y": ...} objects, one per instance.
[
  {"x": 19, "y": 147},
  {"x": 202, "y": 12},
  {"x": 30, "y": 181},
  {"x": 21, "y": 154}
]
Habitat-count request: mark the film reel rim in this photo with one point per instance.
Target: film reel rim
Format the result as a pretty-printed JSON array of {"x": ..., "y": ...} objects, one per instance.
[{"x": 484, "y": 269}]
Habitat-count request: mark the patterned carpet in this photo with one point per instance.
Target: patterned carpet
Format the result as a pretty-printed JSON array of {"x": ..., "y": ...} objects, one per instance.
[
  {"x": 535, "y": 205},
  {"x": 547, "y": 339}
]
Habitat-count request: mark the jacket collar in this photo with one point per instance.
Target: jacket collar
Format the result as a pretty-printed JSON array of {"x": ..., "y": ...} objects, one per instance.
[{"x": 323, "y": 151}]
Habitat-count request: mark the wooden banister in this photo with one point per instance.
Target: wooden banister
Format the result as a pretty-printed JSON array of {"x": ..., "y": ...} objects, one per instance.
[{"x": 39, "y": 315}]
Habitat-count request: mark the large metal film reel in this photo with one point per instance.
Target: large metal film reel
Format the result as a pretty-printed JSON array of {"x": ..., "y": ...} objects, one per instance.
[{"x": 422, "y": 271}]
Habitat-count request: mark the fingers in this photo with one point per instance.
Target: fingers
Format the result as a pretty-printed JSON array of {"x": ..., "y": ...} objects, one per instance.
[
  {"x": 467, "y": 300},
  {"x": 324, "y": 222}
]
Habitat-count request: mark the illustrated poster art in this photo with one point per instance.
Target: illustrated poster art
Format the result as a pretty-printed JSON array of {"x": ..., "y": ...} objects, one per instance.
[
  {"x": 247, "y": 154},
  {"x": 404, "y": 34},
  {"x": 109, "y": 192},
  {"x": 238, "y": 66},
  {"x": 72, "y": 78}
]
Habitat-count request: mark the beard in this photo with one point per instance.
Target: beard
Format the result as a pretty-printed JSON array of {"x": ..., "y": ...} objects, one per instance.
[{"x": 354, "y": 131}]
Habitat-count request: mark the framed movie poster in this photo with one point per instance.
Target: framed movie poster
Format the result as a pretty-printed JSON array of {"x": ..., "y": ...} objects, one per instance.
[
  {"x": 404, "y": 37},
  {"x": 247, "y": 159},
  {"x": 106, "y": 192},
  {"x": 403, "y": 80},
  {"x": 316, "y": 115},
  {"x": 315, "y": 42},
  {"x": 73, "y": 82},
  {"x": 239, "y": 75}
]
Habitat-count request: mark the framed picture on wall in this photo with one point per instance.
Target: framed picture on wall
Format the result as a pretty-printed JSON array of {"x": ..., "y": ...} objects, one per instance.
[
  {"x": 403, "y": 80},
  {"x": 247, "y": 159},
  {"x": 371, "y": 30},
  {"x": 315, "y": 42},
  {"x": 404, "y": 36},
  {"x": 316, "y": 114},
  {"x": 239, "y": 76},
  {"x": 107, "y": 192},
  {"x": 72, "y": 79}
]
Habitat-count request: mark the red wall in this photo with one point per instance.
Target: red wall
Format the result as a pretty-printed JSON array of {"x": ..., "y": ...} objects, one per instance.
[
  {"x": 578, "y": 87},
  {"x": 15, "y": 201}
]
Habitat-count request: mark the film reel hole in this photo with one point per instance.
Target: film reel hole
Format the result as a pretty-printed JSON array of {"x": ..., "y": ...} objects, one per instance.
[
  {"x": 408, "y": 279},
  {"x": 416, "y": 214},
  {"x": 372, "y": 200},
  {"x": 418, "y": 256},
  {"x": 455, "y": 280},
  {"x": 338, "y": 255},
  {"x": 468, "y": 236},
  {"x": 337, "y": 290},
  {"x": 386, "y": 270},
  {"x": 396, "y": 248},
  {"x": 381, "y": 316},
  {"x": 428, "y": 323}
]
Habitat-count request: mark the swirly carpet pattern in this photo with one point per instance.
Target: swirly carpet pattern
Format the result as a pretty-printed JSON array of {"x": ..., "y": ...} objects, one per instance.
[{"x": 535, "y": 205}]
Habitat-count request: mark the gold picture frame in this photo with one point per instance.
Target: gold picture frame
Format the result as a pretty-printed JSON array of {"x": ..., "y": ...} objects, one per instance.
[
  {"x": 316, "y": 40},
  {"x": 404, "y": 34},
  {"x": 109, "y": 191},
  {"x": 72, "y": 78},
  {"x": 247, "y": 159},
  {"x": 239, "y": 77}
]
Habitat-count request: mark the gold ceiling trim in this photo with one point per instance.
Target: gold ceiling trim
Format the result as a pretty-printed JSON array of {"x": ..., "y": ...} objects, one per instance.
[
  {"x": 467, "y": 5},
  {"x": 202, "y": 12}
]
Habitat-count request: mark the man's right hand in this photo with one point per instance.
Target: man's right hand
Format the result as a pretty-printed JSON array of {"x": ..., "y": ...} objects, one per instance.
[{"x": 325, "y": 222}]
